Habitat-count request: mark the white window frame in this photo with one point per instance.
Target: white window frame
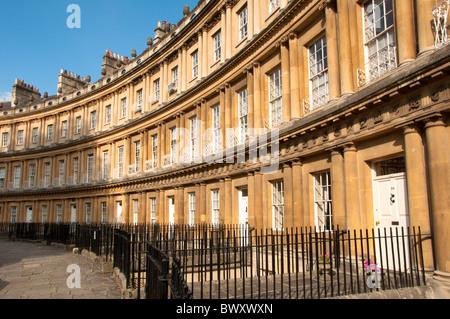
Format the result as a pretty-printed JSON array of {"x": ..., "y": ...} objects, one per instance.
[
  {"x": 5, "y": 137},
  {"x": 152, "y": 210},
  {"x": 13, "y": 214},
  {"x": 17, "y": 175},
  {"x": 156, "y": 90},
  {"x": 44, "y": 214},
  {"x": 2, "y": 177},
  {"x": 243, "y": 115},
  {"x": 140, "y": 100},
  {"x": 217, "y": 46},
  {"x": 278, "y": 205},
  {"x": 123, "y": 108},
  {"x": 105, "y": 164},
  {"x": 20, "y": 137},
  {"x": 34, "y": 135},
  {"x": 276, "y": 98},
  {"x": 216, "y": 136},
  {"x": 137, "y": 155},
  {"x": 173, "y": 144},
  {"x": 78, "y": 125},
  {"x": 194, "y": 57},
  {"x": 49, "y": 132},
  {"x": 318, "y": 73},
  {"x": 61, "y": 172},
  {"x": 108, "y": 109},
  {"x": 323, "y": 210},
  {"x": 155, "y": 151},
  {"x": 90, "y": 168},
  {"x": 215, "y": 206},
  {"x": 193, "y": 137},
  {"x": 273, "y": 5},
  {"x": 88, "y": 213},
  {"x": 103, "y": 209},
  {"x": 64, "y": 129},
  {"x": 175, "y": 75},
  {"x": 120, "y": 163},
  {"x": 191, "y": 209},
  {"x": 93, "y": 122},
  {"x": 243, "y": 23},
  {"x": 47, "y": 173},
  {"x": 383, "y": 59},
  {"x": 58, "y": 213},
  {"x": 135, "y": 211},
  {"x": 32, "y": 175},
  {"x": 75, "y": 170}
]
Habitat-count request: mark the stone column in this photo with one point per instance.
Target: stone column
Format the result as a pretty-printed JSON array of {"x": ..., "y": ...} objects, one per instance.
[
  {"x": 200, "y": 54},
  {"x": 288, "y": 196},
  {"x": 337, "y": 188},
  {"x": 165, "y": 80},
  {"x": 184, "y": 67},
  {"x": 345, "y": 51},
  {"x": 204, "y": 59},
  {"x": 228, "y": 41},
  {"x": 258, "y": 213},
  {"x": 285, "y": 78},
  {"x": 228, "y": 209},
  {"x": 297, "y": 185},
  {"x": 256, "y": 16},
  {"x": 416, "y": 180},
  {"x": 251, "y": 14},
  {"x": 294, "y": 76},
  {"x": 425, "y": 23},
  {"x": 404, "y": 19},
  {"x": 202, "y": 214},
  {"x": 438, "y": 171},
  {"x": 351, "y": 187},
  {"x": 258, "y": 116},
  {"x": 332, "y": 52},
  {"x": 250, "y": 97},
  {"x": 223, "y": 29},
  {"x": 251, "y": 198}
]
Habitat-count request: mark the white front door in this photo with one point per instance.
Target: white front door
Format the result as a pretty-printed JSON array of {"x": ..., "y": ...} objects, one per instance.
[
  {"x": 119, "y": 213},
  {"x": 73, "y": 214},
  {"x": 243, "y": 216},
  {"x": 29, "y": 214},
  {"x": 243, "y": 206},
  {"x": 171, "y": 210},
  {"x": 391, "y": 214}
]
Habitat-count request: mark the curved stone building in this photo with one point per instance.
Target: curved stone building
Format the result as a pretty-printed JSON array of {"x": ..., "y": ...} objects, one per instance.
[{"x": 274, "y": 113}]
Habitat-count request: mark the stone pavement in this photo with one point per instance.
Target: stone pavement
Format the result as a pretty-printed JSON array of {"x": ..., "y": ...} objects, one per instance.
[{"x": 38, "y": 271}]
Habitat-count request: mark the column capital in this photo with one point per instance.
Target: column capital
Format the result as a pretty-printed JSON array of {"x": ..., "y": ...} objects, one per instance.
[
  {"x": 335, "y": 151},
  {"x": 327, "y": 4},
  {"x": 434, "y": 120},
  {"x": 349, "y": 147},
  {"x": 409, "y": 128},
  {"x": 293, "y": 35},
  {"x": 297, "y": 162}
]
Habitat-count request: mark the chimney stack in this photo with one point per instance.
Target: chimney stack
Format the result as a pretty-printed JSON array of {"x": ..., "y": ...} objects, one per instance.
[{"x": 24, "y": 93}]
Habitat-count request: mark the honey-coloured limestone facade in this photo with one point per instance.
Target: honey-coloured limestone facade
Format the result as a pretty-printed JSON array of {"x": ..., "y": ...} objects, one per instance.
[{"x": 271, "y": 113}]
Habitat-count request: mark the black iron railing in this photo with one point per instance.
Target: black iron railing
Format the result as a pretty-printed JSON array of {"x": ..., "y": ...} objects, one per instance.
[{"x": 236, "y": 262}]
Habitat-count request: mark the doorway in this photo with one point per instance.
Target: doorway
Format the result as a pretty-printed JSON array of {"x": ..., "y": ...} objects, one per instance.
[
  {"x": 391, "y": 215},
  {"x": 119, "y": 213},
  {"x": 243, "y": 216}
]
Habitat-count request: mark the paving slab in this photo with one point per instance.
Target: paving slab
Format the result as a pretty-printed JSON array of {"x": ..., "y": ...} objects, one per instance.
[{"x": 37, "y": 271}]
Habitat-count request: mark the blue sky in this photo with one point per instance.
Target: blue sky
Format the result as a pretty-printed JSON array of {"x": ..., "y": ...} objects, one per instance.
[{"x": 35, "y": 41}]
